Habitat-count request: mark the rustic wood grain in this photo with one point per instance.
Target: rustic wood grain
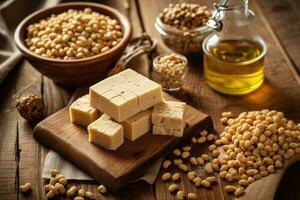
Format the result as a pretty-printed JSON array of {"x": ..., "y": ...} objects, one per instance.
[
  {"x": 275, "y": 92},
  {"x": 29, "y": 82},
  {"x": 57, "y": 97},
  {"x": 138, "y": 189},
  {"x": 8, "y": 140},
  {"x": 280, "y": 91},
  {"x": 161, "y": 188},
  {"x": 31, "y": 153},
  {"x": 192, "y": 89},
  {"x": 284, "y": 18}
]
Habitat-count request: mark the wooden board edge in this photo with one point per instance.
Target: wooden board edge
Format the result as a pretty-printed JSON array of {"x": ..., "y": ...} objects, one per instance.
[
  {"x": 68, "y": 152},
  {"x": 206, "y": 123},
  {"x": 91, "y": 169}
]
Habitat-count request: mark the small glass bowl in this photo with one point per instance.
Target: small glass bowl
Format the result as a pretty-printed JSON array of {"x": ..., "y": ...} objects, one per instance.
[
  {"x": 173, "y": 80},
  {"x": 182, "y": 41}
]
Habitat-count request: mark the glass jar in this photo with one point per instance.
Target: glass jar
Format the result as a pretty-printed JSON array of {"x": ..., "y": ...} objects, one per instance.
[
  {"x": 182, "y": 41},
  {"x": 234, "y": 53},
  {"x": 170, "y": 70}
]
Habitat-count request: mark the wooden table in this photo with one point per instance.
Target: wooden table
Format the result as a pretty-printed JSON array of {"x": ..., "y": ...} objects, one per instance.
[{"x": 278, "y": 21}]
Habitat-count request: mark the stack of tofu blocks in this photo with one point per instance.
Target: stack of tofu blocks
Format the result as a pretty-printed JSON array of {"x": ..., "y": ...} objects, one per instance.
[{"x": 126, "y": 105}]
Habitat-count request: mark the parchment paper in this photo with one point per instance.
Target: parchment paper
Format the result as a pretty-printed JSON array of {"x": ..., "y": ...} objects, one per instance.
[{"x": 54, "y": 161}]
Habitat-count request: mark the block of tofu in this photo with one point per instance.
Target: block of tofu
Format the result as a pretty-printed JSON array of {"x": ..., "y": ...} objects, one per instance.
[
  {"x": 167, "y": 118},
  {"x": 149, "y": 93},
  {"x": 131, "y": 75},
  {"x": 119, "y": 104},
  {"x": 162, "y": 130},
  {"x": 82, "y": 113},
  {"x": 106, "y": 133},
  {"x": 125, "y": 94},
  {"x": 137, "y": 125}
]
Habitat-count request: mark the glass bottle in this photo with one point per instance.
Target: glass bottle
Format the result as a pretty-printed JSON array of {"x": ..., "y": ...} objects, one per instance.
[{"x": 234, "y": 53}]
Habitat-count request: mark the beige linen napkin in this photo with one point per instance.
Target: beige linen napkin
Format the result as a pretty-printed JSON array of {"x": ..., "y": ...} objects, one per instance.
[{"x": 11, "y": 13}]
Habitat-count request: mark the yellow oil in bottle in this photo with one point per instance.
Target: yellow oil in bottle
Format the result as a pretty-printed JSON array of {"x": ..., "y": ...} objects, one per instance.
[{"x": 234, "y": 66}]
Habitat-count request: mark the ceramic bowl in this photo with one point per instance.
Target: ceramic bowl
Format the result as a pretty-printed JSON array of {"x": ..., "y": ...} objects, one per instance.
[{"x": 77, "y": 72}]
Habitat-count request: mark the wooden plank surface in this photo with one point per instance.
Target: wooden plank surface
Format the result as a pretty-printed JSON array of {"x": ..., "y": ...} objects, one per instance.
[
  {"x": 28, "y": 148},
  {"x": 280, "y": 91},
  {"x": 140, "y": 188},
  {"x": 17, "y": 171},
  {"x": 8, "y": 141},
  {"x": 273, "y": 94},
  {"x": 284, "y": 18},
  {"x": 31, "y": 156}
]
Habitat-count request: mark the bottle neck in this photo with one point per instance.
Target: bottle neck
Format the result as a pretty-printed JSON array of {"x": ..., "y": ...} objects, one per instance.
[
  {"x": 235, "y": 19},
  {"x": 236, "y": 3},
  {"x": 232, "y": 12},
  {"x": 236, "y": 9}
]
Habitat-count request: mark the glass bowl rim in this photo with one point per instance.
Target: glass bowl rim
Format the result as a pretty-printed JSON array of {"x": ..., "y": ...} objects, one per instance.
[
  {"x": 166, "y": 29},
  {"x": 169, "y": 53}
]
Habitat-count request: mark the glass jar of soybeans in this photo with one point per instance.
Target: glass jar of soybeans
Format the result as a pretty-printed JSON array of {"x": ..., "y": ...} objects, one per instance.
[{"x": 234, "y": 53}]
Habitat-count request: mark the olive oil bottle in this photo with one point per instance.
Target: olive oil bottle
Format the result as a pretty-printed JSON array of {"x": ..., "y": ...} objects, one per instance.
[
  {"x": 234, "y": 66},
  {"x": 233, "y": 53}
]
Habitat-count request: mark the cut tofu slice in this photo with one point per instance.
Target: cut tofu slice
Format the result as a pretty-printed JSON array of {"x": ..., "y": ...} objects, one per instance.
[
  {"x": 106, "y": 133},
  {"x": 168, "y": 118},
  {"x": 125, "y": 94},
  {"x": 137, "y": 125},
  {"x": 82, "y": 113},
  {"x": 149, "y": 92}
]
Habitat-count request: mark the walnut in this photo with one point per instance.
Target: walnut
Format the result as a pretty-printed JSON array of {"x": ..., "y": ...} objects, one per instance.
[{"x": 31, "y": 107}]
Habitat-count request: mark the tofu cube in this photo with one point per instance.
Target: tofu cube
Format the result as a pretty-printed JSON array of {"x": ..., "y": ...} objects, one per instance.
[
  {"x": 125, "y": 94},
  {"x": 82, "y": 113},
  {"x": 167, "y": 118},
  {"x": 106, "y": 133},
  {"x": 149, "y": 93},
  {"x": 119, "y": 104},
  {"x": 137, "y": 125},
  {"x": 162, "y": 130}
]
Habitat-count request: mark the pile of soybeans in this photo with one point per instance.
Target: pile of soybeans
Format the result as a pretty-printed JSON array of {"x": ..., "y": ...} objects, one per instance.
[
  {"x": 252, "y": 146},
  {"x": 73, "y": 34}
]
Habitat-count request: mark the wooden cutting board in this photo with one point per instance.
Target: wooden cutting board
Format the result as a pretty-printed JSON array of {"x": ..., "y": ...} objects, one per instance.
[{"x": 117, "y": 168}]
